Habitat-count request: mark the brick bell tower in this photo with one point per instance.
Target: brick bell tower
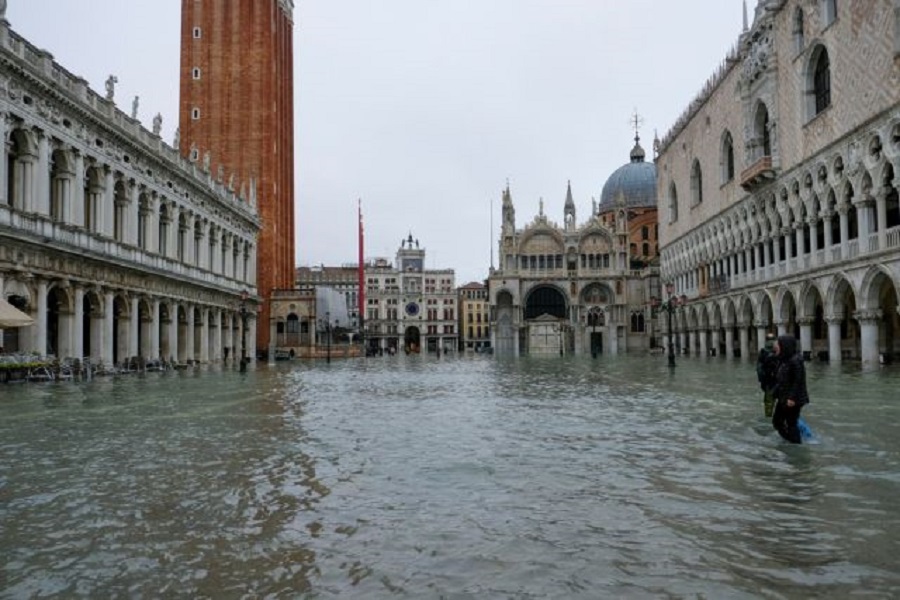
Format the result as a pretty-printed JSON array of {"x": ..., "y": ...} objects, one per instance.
[{"x": 237, "y": 104}]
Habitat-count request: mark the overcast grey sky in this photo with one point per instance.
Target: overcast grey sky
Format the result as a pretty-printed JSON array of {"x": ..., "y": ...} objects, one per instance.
[{"x": 424, "y": 108}]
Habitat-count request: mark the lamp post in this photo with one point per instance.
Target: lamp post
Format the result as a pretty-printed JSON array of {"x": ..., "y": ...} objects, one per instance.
[
  {"x": 669, "y": 307},
  {"x": 243, "y": 366}
]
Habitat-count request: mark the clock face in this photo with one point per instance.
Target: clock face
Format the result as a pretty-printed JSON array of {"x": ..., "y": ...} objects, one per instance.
[{"x": 412, "y": 309}]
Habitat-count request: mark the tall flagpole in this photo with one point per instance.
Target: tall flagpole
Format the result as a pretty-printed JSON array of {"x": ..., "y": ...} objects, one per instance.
[{"x": 361, "y": 275}]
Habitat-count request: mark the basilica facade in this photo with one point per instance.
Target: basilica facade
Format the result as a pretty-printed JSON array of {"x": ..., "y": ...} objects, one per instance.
[
  {"x": 580, "y": 288},
  {"x": 115, "y": 245},
  {"x": 779, "y": 187}
]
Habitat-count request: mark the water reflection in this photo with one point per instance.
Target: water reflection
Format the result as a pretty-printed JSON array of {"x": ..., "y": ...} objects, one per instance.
[{"x": 464, "y": 478}]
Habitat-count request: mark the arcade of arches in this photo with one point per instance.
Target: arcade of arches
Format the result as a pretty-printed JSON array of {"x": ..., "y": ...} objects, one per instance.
[
  {"x": 110, "y": 326},
  {"x": 853, "y": 315}
]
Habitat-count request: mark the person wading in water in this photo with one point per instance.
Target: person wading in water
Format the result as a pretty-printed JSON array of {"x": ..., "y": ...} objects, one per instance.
[
  {"x": 766, "y": 370},
  {"x": 790, "y": 389}
]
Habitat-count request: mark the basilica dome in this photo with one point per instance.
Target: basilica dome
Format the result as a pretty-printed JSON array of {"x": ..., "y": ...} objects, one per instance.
[{"x": 635, "y": 181}]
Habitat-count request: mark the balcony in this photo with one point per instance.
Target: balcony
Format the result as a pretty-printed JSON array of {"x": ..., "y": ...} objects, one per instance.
[{"x": 759, "y": 173}]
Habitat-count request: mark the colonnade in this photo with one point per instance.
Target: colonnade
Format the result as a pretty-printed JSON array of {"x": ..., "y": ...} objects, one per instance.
[{"x": 111, "y": 325}]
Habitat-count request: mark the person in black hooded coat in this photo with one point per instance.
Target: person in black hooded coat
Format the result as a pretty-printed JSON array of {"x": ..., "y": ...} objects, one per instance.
[{"x": 790, "y": 389}]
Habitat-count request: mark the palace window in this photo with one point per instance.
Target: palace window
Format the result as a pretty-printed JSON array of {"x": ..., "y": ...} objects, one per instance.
[
  {"x": 195, "y": 114},
  {"x": 696, "y": 183},
  {"x": 195, "y": 72},
  {"x": 197, "y": 33},
  {"x": 821, "y": 73},
  {"x": 727, "y": 157},
  {"x": 673, "y": 203}
]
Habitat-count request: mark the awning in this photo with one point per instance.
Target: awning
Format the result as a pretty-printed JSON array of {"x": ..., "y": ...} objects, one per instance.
[{"x": 10, "y": 316}]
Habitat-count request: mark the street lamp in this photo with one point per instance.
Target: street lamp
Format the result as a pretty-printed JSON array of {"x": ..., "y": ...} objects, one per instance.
[
  {"x": 669, "y": 307},
  {"x": 243, "y": 367}
]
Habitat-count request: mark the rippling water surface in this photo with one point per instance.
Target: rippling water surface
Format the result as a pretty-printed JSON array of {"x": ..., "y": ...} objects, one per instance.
[{"x": 455, "y": 478}]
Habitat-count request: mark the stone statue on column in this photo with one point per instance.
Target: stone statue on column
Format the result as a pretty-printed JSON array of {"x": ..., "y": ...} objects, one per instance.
[
  {"x": 134, "y": 106},
  {"x": 157, "y": 124},
  {"x": 3, "y": 9},
  {"x": 177, "y": 141}
]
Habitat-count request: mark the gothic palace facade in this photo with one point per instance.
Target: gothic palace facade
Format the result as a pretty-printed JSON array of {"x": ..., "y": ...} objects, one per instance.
[
  {"x": 779, "y": 187},
  {"x": 115, "y": 245}
]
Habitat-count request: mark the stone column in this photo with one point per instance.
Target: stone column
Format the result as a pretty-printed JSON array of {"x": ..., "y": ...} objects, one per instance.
[
  {"x": 781, "y": 327},
  {"x": 133, "y": 326},
  {"x": 97, "y": 320},
  {"x": 39, "y": 337},
  {"x": 834, "y": 338},
  {"x": 273, "y": 333},
  {"x": 77, "y": 211},
  {"x": 788, "y": 244},
  {"x": 866, "y": 222},
  {"x": 813, "y": 239},
  {"x": 106, "y": 210},
  {"x": 829, "y": 239},
  {"x": 251, "y": 338},
  {"x": 78, "y": 324},
  {"x": 217, "y": 335},
  {"x": 204, "y": 335},
  {"x": 26, "y": 174},
  {"x": 251, "y": 266},
  {"x": 704, "y": 349},
  {"x": 106, "y": 344},
  {"x": 745, "y": 342},
  {"x": 154, "y": 329},
  {"x": 715, "y": 335},
  {"x": 692, "y": 340},
  {"x": 152, "y": 234},
  {"x": 41, "y": 198},
  {"x": 881, "y": 210},
  {"x": 234, "y": 353},
  {"x": 612, "y": 333},
  {"x": 132, "y": 210},
  {"x": 173, "y": 333},
  {"x": 729, "y": 341},
  {"x": 191, "y": 333},
  {"x": 845, "y": 231},
  {"x": 869, "y": 321},
  {"x": 806, "y": 324},
  {"x": 761, "y": 333}
]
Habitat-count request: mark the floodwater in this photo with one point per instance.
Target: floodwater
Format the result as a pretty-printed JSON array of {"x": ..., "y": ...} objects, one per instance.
[{"x": 459, "y": 477}]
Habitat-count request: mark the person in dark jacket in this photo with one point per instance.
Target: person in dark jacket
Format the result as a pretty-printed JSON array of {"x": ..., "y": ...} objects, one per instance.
[
  {"x": 766, "y": 370},
  {"x": 790, "y": 389}
]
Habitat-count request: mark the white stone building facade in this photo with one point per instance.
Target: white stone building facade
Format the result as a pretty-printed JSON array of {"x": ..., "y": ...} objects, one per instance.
[
  {"x": 113, "y": 243},
  {"x": 410, "y": 308},
  {"x": 779, "y": 186}
]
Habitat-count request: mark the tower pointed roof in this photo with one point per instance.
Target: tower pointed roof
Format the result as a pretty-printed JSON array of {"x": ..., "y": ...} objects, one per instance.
[{"x": 570, "y": 203}]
